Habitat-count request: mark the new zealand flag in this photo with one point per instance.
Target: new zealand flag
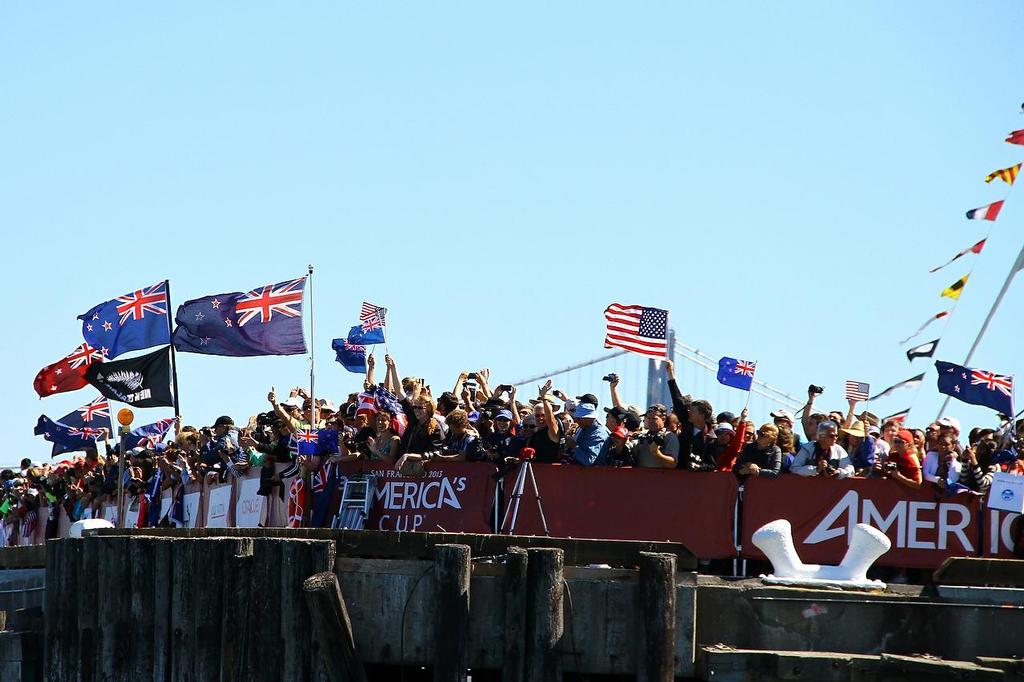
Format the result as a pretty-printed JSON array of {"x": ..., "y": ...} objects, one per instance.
[
  {"x": 351, "y": 356},
  {"x": 70, "y": 439},
  {"x": 736, "y": 373},
  {"x": 93, "y": 415},
  {"x": 149, "y": 435},
  {"x": 976, "y": 386},
  {"x": 357, "y": 336},
  {"x": 130, "y": 322},
  {"x": 265, "y": 321}
]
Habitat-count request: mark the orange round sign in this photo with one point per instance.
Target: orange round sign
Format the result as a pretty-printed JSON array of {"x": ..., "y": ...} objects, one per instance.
[{"x": 125, "y": 417}]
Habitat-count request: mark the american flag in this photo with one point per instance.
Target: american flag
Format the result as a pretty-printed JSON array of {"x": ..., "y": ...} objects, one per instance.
[
  {"x": 372, "y": 316},
  {"x": 637, "y": 329},
  {"x": 857, "y": 390}
]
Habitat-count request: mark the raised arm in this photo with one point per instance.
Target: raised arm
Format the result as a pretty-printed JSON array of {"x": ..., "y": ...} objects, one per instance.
[
  {"x": 291, "y": 424},
  {"x": 549, "y": 414},
  {"x": 806, "y": 420},
  {"x": 613, "y": 388},
  {"x": 849, "y": 413},
  {"x": 370, "y": 362}
]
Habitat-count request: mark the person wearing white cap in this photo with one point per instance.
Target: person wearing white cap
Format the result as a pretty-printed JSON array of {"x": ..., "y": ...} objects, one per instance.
[
  {"x": 589, "y": 437},
  {"x": 784, "y": 421}
]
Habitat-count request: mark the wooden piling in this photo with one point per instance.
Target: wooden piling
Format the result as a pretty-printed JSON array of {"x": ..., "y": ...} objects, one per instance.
[
  {"x": 115, "y": 613},
  {"x": 544, "y": 620},
  {"x": 656, "y": 645},
  {"x": 141, "y": 552},
  {"x": 61, "y": 651},
  {"x": 185, "y": 576},
  {"x": 161, "y": 576},
  {"x": 236, "y": 598},
  {"x": 87, "y": 603},
  {"x": 451, "y": 637},
  {"x": 264, "y": 650},
  {"x": 332, "y": 628},
  {"x": 514, "y": 591},
  {"x": 299, "y": 560}
]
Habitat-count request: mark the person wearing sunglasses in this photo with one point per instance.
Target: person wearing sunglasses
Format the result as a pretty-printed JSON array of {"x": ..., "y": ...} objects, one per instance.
[
  {"x": 823, "y": 456},
  {"x": 762, "y": 457}
]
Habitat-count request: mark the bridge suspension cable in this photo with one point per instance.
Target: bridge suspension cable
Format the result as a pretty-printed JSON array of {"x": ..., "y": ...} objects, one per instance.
[{"x": 570, "y": 368}]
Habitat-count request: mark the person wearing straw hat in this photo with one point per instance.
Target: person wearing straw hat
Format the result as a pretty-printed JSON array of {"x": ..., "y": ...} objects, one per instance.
[{"x": 860, "y": 446}]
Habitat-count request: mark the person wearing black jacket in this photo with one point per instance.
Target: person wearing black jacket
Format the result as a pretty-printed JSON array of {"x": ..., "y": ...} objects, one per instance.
[
  {"x": 422, "y": 439},
  {"x": 696, "y": 436}
]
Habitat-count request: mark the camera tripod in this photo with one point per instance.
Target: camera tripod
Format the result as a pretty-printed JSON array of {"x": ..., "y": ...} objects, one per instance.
[{"x": 525, "y": 469}]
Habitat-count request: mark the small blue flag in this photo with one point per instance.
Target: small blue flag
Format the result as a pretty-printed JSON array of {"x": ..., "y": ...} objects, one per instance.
[
  {"x": 736, "y": 373},
  {"x": 130, "y": 322},
  {"x": 265, "y": 321},
  {"x": 352, "y": 356},
  {"x": 976, "y": 386},
  {"x": 149, "y": 435},
  {"x": 360, "y": 338}
]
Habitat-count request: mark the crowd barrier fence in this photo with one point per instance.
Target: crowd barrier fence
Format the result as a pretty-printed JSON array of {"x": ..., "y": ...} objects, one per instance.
[{"x": 706, "y": 512}]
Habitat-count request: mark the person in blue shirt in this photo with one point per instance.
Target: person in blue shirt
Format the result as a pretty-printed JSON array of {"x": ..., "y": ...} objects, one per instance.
[{"x": 589, "y": 437}]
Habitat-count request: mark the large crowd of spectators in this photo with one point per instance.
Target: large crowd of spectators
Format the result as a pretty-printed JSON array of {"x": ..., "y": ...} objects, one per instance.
[{"x": 404, "y": 423}]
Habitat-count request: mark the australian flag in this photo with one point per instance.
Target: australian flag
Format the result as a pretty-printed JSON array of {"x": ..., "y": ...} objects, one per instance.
[
  {"x": 149, "y": 435},
  {"x": 93, "y": 415},
  {"x": 130, "y": 322},
  {"x": 736, "y": 373},
  {"x": 68, "y": 438},
  {"x": 358, "y": 337},
  {"x": 352, "y": 356},
  {"x": 976, "y": 386},
  {"x": 264, "y": 321}
]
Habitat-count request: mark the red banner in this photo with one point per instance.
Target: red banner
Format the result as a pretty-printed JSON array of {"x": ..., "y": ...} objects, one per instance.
[
  {"x": 695, "y": 509},
  {"x": 453, "y": 497},
  {"x": 999, "y": 531},
  {"x": 925, "y": 528}
]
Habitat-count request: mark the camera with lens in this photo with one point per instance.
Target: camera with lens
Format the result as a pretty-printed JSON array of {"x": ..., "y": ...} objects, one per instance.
[
  {"x": 816, "y": 390},
  {"x": 610, "y": 377},
  {"x": 487, "y": 414},
  {"x": 891, "y": 466},
  {"x": 472, "y": 376}
]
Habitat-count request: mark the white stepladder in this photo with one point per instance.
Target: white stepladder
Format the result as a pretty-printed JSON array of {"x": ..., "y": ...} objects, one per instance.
[{"x": 356, "y": 499}]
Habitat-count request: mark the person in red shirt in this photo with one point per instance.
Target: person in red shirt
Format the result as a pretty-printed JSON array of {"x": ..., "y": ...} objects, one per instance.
[{"x": 902, "y": 465}]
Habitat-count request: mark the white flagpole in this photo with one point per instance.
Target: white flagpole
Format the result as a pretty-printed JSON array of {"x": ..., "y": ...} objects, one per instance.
[
  {"x": 1017, "y": 266},
  {"x": 312, "y": 347}
]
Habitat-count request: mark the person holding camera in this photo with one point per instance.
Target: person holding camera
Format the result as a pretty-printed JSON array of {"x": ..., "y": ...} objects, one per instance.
[
  {"x": 658, "y": 448},
  {"x": 901, "y": 463},
  {"x": 823, "y": 456}
]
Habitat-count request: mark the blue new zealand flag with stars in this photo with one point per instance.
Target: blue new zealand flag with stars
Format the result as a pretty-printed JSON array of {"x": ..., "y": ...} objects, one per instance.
[
  {"x": 265, "y": 321},
  {"x": 131, "y": 322}
]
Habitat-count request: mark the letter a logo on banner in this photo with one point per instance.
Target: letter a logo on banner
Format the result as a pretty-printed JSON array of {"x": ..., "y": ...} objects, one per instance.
[{"x": 824, "y": 531}]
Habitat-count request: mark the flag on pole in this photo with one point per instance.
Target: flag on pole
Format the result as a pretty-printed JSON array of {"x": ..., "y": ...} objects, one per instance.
[
  {"x": 736, "y": 373},
  {"x": 358, "y": 337},
  {"x": 900, "y": 416},
  {"x": 988, "y": 212},
  {"x": 148, "y": 435},
  {"x": 912, "y": 382},
  {"x": 92, "y": 415},
  {"x": 637, "y": 329},
  {"x": 857, "y": 390},
  {"x": 937, "y": 316},
  {"x": 143, "y": 381},
  {"x": 131, "y": 322},
  {"x": 925, "y": 350},
  {"x": 68, "y": 438},
  {"x": 372, "y": 316},
  {"x": 351, "y": 356},
  {"x": 971, "y": 249},
  {"x": 976, "y": 386},
  {"x": 264, "y": 321},
  {"x": 1016, "y": 137},
  {"x": 1007, "y": 175},
  {"x": 68, "y": 373},
  {"x": 956, "y": 288}
]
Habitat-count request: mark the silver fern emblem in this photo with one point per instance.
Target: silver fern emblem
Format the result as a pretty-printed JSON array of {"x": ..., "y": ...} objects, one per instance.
[{"x": 130, "y": 379}]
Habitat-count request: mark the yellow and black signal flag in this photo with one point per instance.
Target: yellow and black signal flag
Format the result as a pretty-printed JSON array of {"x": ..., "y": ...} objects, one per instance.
[
  {"x": 1007, "y": 175},
  {"x": 956, "y": 288}
]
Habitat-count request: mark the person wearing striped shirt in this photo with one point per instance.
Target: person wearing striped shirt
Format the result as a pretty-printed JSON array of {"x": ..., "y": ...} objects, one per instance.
[{"x": 978, "y": 468}]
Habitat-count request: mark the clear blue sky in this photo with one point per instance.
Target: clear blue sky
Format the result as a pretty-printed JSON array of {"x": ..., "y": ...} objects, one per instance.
[{"x": 780, "y": 177}]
